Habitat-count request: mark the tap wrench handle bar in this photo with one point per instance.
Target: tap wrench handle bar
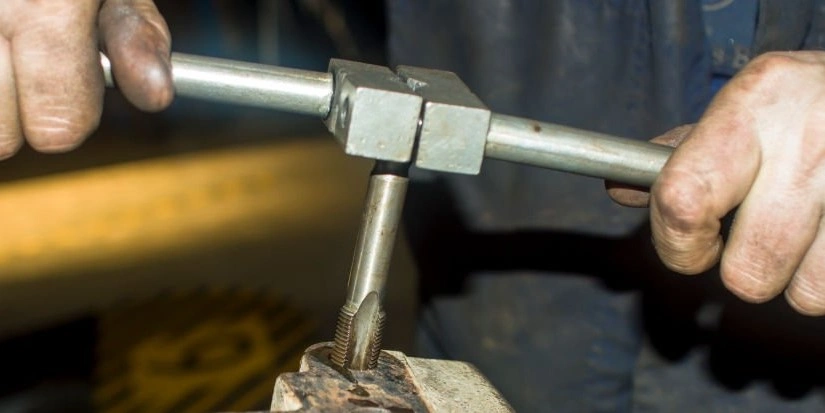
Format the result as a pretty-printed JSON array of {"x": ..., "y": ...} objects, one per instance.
[
  {"x": 249, "y": 84},
  {"x": 509, "y": 138},
  {"x": 574, "y": 150}
]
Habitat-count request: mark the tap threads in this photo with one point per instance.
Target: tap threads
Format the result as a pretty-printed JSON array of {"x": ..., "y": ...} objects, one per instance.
[{"x": 344, "y": 348}]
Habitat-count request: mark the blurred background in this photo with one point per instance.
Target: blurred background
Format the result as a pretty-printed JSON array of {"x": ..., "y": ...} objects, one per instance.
[{"x": 180, "y": 261}]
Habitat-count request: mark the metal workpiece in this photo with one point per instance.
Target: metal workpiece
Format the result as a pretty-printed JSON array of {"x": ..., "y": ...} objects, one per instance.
[
  {"x": 361, "y": 319},
  {"x": 374, "y": 114},
  {"x": 248, "y": 84},
  {"x": 454, "y": 122},
  {"x": 573, "y": 150},
  {"x": 397, "y": 384}
]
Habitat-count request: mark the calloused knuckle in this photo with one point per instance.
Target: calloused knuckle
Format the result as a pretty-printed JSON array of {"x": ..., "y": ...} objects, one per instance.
[
  {"x": 747, "y": 281},
  {"x": 680, "y": 202}
]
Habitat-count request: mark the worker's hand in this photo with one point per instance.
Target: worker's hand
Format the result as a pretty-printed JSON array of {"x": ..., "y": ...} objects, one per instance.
[
  {"x": 760, "y": 146},
  {"x": 51, "y": 82}
]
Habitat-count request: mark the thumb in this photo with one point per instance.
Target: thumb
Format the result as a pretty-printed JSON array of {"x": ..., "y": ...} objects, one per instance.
[
  {"x": 137, "y": 41},
  {"x": 634, "y": 196}
]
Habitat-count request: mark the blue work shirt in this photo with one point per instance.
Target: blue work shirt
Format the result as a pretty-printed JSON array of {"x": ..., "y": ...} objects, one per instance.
[{"x": 537, "y": 277}]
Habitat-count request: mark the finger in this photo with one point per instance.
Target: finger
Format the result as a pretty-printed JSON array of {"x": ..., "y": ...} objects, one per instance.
[
  {"x": 806, "y": 292},
  {"x": 633, "y": 196},
  {"x": 10, "y": 136},
  {"x": 773, "y": 229},
  {"x": 57, "y": 72},
  {"x": 699, "y": 185},
  {"x": 779, "y": 220},
  {"x": 138, "y": 43}
]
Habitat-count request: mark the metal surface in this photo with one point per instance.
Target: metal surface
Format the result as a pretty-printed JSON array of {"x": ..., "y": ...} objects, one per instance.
[
  {"x": 398, "y": 384},
  {"x": 454, "y": 122},
  {"x": 360, "y": 324},
  {"x": 574, "y": 150},
  {"x": 374, "y": 114},
  {"x": 249, "y": 84}
]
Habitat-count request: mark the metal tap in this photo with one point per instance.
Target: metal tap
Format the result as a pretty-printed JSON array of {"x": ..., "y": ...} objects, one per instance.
[{"x": 361, "y": 318}]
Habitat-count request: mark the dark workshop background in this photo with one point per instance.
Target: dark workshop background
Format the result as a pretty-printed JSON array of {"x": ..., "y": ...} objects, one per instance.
[{"x": 177, "y": 262}]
